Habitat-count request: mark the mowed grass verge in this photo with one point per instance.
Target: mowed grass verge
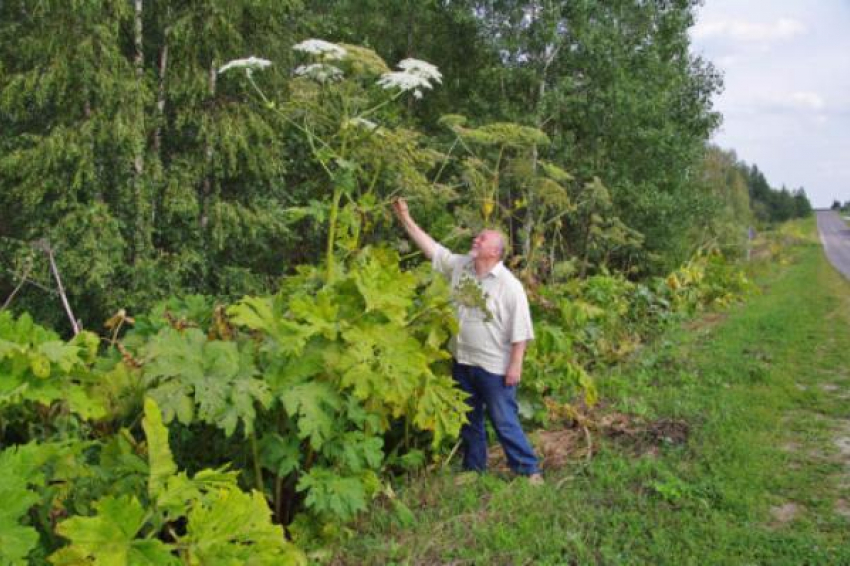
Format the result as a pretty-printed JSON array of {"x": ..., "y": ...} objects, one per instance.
[{"x": 762, "y": 477}]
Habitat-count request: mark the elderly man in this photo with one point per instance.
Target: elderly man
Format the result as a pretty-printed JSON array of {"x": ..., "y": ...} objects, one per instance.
[{"x": 494, "y": 325}]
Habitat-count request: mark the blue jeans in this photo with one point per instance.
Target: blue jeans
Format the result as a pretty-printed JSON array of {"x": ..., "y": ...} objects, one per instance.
[{"x": 488, "y": 392}]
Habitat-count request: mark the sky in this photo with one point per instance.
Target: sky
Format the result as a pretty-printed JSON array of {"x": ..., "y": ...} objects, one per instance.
[{"x": 786, "y": 97}]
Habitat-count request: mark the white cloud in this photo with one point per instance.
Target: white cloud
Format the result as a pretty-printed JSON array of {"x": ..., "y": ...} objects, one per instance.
[
  {"x": 728, "y": 61},
  {"x": 742, "y": 30},
  {"x": 807, "y": 100},
  {"x": 785, "y": 105},
  {"x": 764, "y": 102}
]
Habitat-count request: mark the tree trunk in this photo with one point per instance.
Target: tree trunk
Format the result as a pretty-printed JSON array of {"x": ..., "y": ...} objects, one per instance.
[
  {"x": 160, "y": 98},
  {"x": 207, "y": 185},
  {"x": 140, "y": 236},
  {"x": 586, "y": 251}
]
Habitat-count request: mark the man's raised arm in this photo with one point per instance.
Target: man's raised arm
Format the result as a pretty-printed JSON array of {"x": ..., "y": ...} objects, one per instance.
[{"x": 425, "y": 242}]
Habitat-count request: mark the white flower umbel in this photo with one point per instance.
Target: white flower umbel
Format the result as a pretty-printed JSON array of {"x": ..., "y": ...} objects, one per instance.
[
  {"x": 422, "y": 69},
  {"x": 415, "y": 75},
  {"x": 320, "y": 72},
  {"x": 359, "y": 122},
  {"x": 250, "y": 64},
  {"x": 324, "y": 49}
]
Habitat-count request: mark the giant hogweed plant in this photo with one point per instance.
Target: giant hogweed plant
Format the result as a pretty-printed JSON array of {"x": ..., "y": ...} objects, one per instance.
[
  {"x": 341, "y": 104},
  {"x": 343, "y": 371},
  {"x": 540, "y": 204},
  {"x": 508, "y": 183},
  {"x": 46, "y": 382},
  {"x": 354, "y": 368},
  {"x": 329, "y": 382},
  {"x": 133, "y": 506},
  {"x": 349, "y": 352}
]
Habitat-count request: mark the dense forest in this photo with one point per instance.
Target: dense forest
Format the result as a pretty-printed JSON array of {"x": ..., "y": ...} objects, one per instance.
[
  {"x": 211, "y": 323},
  {"x": 148, "y": 174}
]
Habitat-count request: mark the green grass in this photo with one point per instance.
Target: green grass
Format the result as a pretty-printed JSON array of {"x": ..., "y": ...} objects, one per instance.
[{"x": 756, "y": 389}]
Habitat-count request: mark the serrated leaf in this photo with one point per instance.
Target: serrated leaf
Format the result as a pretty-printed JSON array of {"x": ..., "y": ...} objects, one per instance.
[
  {"x": 175, "y": 495},
  {"x": 441, "y": 408},
  {"x": 319, "y": 312},
  {"x": 290, "y": 371},
  {"x": 174, "y": 354},
  {"x": 328, "y": 492},
  {"x": 82, "y": 403},
  {"x": 109, "y": 537},
  {"x": 261, "y": 313},
  {"x": 20, "y": 470},
  {"x": 360, "y": 452},
  {"x": 63, "y": 355},
  {"x": 235, "y": 528},
  {"x": 16, "y": 541},
  {"x": 211, "y": 380},
  {"x": 313, "y": 405},
  {"x": 160, "y": 460},
  {"x": 280, "y": 455},
  {"x": 376, "y": 273},
  {"x": 175, "y": 400},
  {"x": 253, "y": 312},
  {"x": 382, "y": 363}
]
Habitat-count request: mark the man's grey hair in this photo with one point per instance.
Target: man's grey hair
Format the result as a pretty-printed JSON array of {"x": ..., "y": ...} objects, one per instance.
[
  {"x": 503, "y": 244},
  {"x": 503, "y": 241}
]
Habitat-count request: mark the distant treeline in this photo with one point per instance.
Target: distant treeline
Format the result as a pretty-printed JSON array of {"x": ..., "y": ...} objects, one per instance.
[{"x": 774, "y": 205}]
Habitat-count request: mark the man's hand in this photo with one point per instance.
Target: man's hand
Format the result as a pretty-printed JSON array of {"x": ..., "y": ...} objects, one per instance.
[
  {"x": 513, "y": 374},
  {"x": 400, "y": 209},
  {"x": 514, "y": 371},
  {"x": 425, "y": 242}
]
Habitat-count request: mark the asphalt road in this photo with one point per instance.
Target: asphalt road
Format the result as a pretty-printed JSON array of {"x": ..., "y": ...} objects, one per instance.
[{"x": 835, "y": 237}]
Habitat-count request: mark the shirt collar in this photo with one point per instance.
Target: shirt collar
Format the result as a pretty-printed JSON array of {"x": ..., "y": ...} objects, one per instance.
[{"x": 495, "y": 271}]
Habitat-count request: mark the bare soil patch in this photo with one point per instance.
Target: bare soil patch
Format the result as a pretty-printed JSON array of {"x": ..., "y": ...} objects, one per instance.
[
  {"x": 842, "y": 507},
  {"x": 784, "y": 514},
  {"x": 706, "y": 322},
  {"x": 842, "y": 442},
  {"x": 585, "y": 435}
]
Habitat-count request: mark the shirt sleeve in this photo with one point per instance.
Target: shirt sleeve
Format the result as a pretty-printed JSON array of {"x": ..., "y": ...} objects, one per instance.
[
  {"x": 445, "y": 261},
  {"x": 520, "y": 327}
]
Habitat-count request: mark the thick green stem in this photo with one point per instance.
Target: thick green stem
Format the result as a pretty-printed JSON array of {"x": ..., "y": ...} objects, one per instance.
[
  {"x": 379, "y": 106},
  {"x": 329, "y": 253},
  {"x": 258, "y": 471}
]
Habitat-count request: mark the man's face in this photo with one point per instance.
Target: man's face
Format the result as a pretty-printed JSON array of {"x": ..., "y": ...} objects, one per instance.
[{"x": 487, "y": 245}]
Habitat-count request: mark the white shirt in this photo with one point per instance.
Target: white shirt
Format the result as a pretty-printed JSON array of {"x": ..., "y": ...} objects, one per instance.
[{"x": 479, "y": 341}]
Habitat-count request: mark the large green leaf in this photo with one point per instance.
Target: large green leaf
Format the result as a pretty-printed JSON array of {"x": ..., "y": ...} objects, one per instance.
[
  {"x": 385, "y": 288},
  {"x": 36, "y": 366},
  {"x": 261, "y": 313},
  {"x": 356, "y": 452},
  {"x": 21, "y": 473},
  {"x": 318, "y": 312},
  {"x": 441, "y": 408},
  {"x": 314, "y": 406},
  {"x": 161, "y": 462},
  {"x": 109, "y": 537},
  {"x": 16, "y": 540},
  {"x": 210, "y": 380},
  {"x": 234, "y": 528},
  {"x": 60, "y": 353},
  {"x": 382, "y": 365},
  {"x": 330, "y": 493},
  {"x": 279, "y": 454}
]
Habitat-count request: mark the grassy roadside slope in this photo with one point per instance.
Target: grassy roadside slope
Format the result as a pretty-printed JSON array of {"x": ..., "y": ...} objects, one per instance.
[{"x": 760, "y": 479}]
